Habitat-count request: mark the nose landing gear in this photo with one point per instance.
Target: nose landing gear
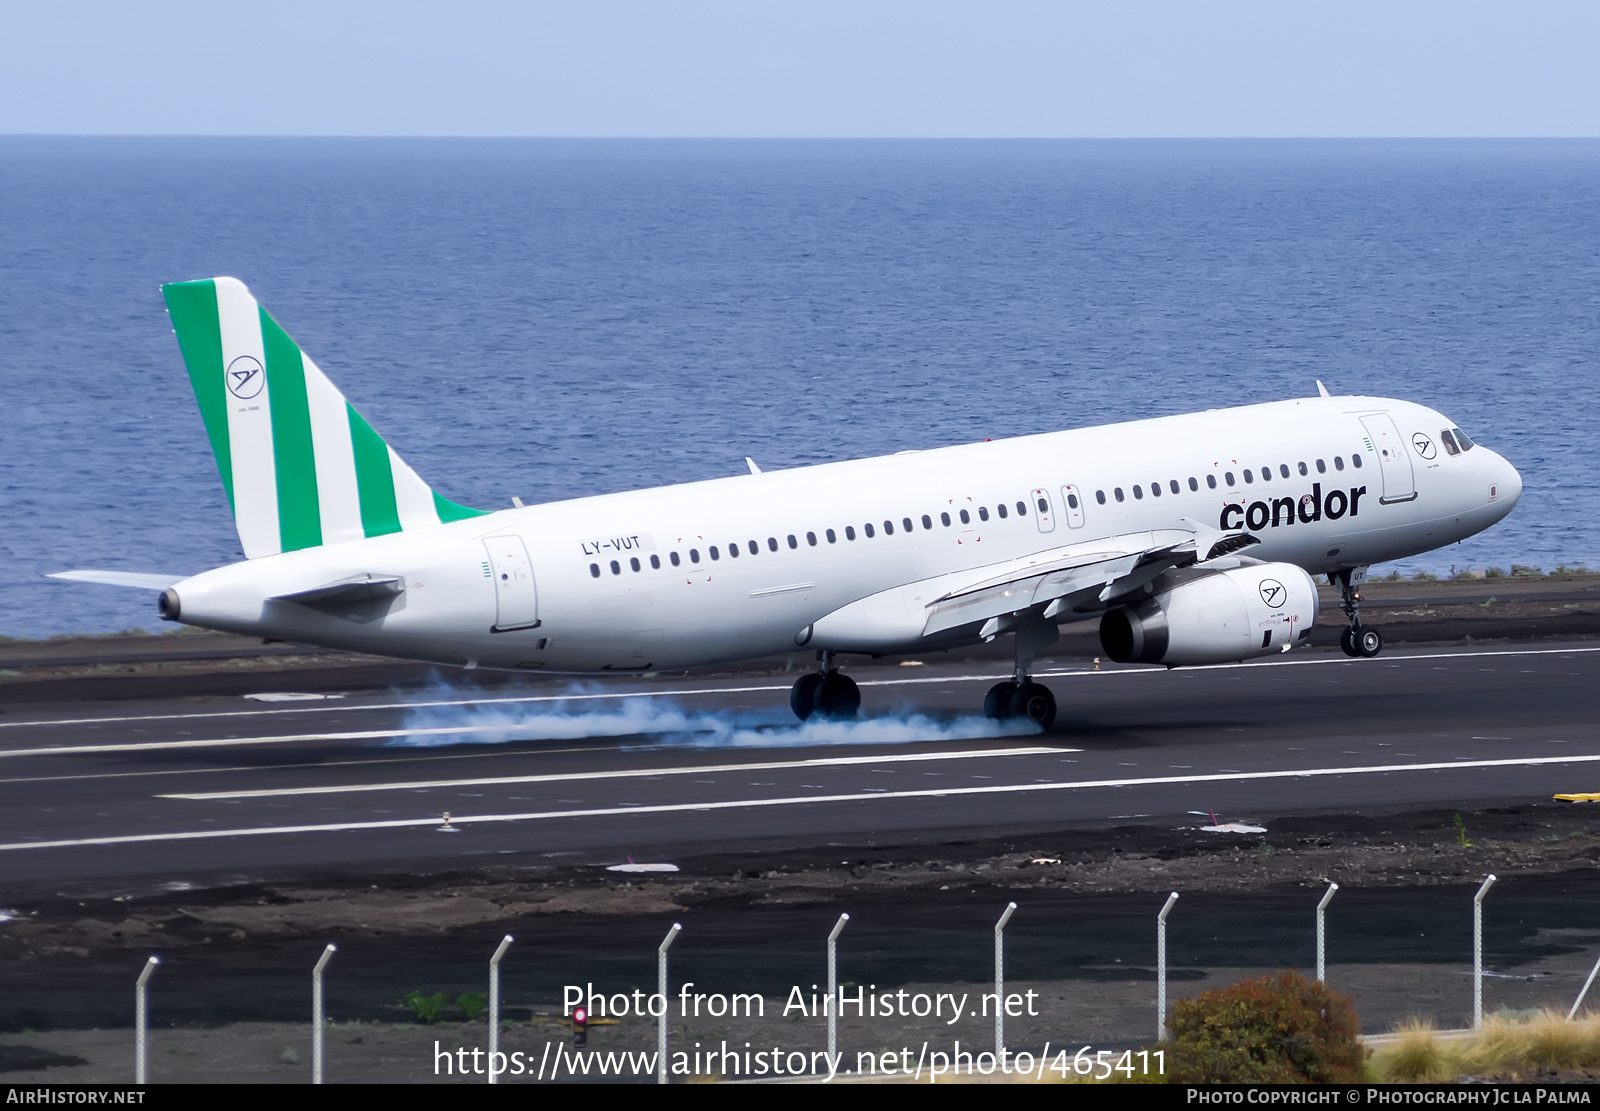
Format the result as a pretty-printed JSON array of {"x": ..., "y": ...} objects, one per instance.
[
  {"x": 1358, "y": 640},
  {"x": 828, "y": 693}
]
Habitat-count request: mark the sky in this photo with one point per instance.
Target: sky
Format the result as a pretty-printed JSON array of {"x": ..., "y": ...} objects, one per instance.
[{"x": 814, "y": 68}]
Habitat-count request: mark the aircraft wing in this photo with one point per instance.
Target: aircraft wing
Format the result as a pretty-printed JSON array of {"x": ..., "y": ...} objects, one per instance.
[{"x": 1054, "y": 581}]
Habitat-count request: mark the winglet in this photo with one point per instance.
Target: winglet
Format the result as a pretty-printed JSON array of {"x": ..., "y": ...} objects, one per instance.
[
  {"x": 752, "y": 464},
  {"x": 1322, "y": 391}
]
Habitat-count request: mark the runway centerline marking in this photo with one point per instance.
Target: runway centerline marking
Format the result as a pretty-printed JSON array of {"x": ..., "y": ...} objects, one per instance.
[
  {"x": 627, "y": 773},
  {"x": 464, "y": 820},
  {"x": 591, "y": 696}
]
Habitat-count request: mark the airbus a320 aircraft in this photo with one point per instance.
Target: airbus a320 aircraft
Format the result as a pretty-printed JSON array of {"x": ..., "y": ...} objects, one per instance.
[{"x": 1191, "y": 539}]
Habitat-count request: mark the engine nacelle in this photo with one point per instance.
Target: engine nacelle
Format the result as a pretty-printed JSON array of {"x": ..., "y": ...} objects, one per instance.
[{"x": 1215, "y": 617}]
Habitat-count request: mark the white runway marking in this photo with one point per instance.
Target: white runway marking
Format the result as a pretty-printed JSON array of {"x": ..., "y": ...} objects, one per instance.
[
  {"x": 629, "y": 773},
  {"x": 737, "y": 804},
  {"x": 590, "y": 696}
]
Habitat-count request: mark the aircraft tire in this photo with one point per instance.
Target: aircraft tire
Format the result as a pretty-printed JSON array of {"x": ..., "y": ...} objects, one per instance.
[
  {"x": 803, "y": 695},
  {"x": 838, "y": 696},
  {"x": 1347, "y": 642},
  {"x": 1369, "y": 642},
  {"x": 1034, "y": 702},
  {"x": 997, "y": 703}
]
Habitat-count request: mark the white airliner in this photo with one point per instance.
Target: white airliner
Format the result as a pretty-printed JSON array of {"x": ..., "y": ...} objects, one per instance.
[{"x": 1142, "y": 526}]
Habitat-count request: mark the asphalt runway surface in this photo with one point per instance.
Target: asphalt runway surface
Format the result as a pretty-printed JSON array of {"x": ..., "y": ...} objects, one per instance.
[{"x": 642, "y": 769}]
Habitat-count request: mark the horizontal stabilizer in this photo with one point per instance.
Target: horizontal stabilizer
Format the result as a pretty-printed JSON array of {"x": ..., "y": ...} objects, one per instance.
[
  {"x": 365, "y": 588},
  {"x": 139, "y": 580}
]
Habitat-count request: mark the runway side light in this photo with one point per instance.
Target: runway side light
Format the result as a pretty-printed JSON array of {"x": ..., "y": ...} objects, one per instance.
[
  {"x": 1097, "y": 663},
  {"x": 580, "y": 1026},
  {"x": 447, "y": 827}
]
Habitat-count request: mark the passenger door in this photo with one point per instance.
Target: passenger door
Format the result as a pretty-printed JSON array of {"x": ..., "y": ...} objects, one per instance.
[
  {"x": 1399, "y": 484},
  {"x": 516, "y": 597}
]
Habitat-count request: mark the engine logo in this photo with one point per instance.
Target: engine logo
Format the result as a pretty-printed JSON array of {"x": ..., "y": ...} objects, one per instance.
[
  {"x": 1273, "y": 593},
  {"x": 245, "y": 378}
]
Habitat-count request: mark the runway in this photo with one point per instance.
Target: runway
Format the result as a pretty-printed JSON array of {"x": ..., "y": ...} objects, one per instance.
[{"x": 646, "y": 768}]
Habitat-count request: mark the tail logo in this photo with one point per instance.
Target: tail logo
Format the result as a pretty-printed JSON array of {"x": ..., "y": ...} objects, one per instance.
[{"x": 245, "y": 377}]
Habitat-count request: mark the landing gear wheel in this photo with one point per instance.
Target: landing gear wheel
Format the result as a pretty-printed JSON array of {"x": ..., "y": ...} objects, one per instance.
[
  {"x": 997, "y": 703},
  {"x": 1347, "y": 642},
  {"x": 838, "y": 696},
  {"x": 803, "y": 695},
  {"x": 1034, "y": 702},
  {"x": 1369, "y": 642}
]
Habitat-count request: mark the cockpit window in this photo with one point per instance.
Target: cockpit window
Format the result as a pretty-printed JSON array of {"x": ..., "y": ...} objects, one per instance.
[
  {"x": 1449, "y": 443},
  {"x": 1462, "y": 439}
]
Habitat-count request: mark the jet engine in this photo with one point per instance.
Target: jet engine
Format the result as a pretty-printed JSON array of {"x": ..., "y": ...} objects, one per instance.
[{"x": 1212, "y": 617}]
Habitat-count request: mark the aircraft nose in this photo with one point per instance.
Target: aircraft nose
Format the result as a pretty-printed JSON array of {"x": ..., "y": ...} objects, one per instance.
[{"x": 1508, "y": 481}]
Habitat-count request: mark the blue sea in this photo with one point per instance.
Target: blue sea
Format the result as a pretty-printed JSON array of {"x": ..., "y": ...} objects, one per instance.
[{"x": 548, "y": 319}]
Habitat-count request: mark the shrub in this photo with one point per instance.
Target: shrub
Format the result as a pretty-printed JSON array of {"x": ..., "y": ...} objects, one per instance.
[
  {"x": 1279, "y": 1029},
  {"x": 1494, "y": 573},
  {"x": 426, "y": 1007},
  {"x": 1425, "y": 577},
  {"x": 472, "y": 1005},
  {"x": 1523, "y": 571}
]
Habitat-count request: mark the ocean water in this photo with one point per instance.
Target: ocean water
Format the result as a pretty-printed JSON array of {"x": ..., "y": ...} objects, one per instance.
[{"x": 557, "y": 318}]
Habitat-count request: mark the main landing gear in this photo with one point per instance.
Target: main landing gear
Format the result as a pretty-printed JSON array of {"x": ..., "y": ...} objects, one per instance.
[
  {"x": 1358, "y": 640},
  {"x": 1020, "y": 696},
  {"x": 827, "y": 693}
]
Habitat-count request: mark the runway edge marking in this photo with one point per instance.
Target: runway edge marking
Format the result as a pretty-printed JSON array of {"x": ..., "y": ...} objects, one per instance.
[{"x": 734, "y": 804}]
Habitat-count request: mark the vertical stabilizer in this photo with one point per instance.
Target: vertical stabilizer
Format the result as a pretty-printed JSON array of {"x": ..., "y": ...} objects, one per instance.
[{"x": 300, "y": 466}]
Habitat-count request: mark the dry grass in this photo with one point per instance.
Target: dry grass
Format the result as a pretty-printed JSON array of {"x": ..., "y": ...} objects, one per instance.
[{"x": 1505, "y": 1044}]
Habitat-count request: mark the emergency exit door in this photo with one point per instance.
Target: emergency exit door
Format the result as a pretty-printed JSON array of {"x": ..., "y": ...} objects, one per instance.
[{"x": 516, "y": 597}]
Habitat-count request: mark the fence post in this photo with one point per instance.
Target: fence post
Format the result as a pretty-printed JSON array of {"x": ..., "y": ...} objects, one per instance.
[
  {"x": 1322, "y": 946},
  {"x": 494, "y": 1003},
  {"x": 141, "y": 1012},
  {"x": 1161, "y": 968},
  {"x": 1477, "y": 952},
  {"x": 833, "y": 989},
  {"x": 1000, "y": 978},
  {"x": 1578, "y": 1002},
  {"x": 316, "y": 1012},
  {"x": 661, "y": 983}
]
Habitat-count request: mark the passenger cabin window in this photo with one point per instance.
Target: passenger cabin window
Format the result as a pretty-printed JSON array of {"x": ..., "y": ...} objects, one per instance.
[
  {"x": 655, "y": 563},
  {"x": 811, "y": 538},
  {"x": 868, "y": 529},
  {"x": 793, "y": 543},
  {"x": 1001, "y": 509},
  {"x": 616, "y": 568},
  {"x": 1193, "y": 485},
  {"x": 594, "y": 569},
  {"x": 927, "y": 521},
  {"x": 1044, "y": 506},
  {"x": 1072, "y": 503},
  {"x": 1100, "y": 496},
  {"x": 1116, "y": 492},
  {"x": 906, "y": 524},
  {"x": 1155, "y": 489},
  {"x": 1138, "y": 492},
  {"x": 1228, "y": 478},
  {"x": 966, "y": 518},
  {"x": 1322, "y": 468},
  {"x": 1303, "y": 470},
  {"x": 1266, "y": 474},
  {"x": 1211, "y": 481},
  {"x": 832, "y": 539},
  {"x": 1022, "y": 509},
  {"x": 772, "y": 543},
  {"x": 1449, "y": 443},
  {"x": 1355, "y": 461},
  {"x": 945, "y": 519},
  {"x": 849, "y": 532},
  {"x": 1283, "y": 469},
  {"x": 755, "y": 548},
  {"x": 733, "y": 551},
  {"x": 1249, "y": 476},
  {"x": 634, "y": 563},
  {"x": 714, "y": 553},
  {"x": 1338, "y": 462},
  {"x": 694, "y": 555},
  {"x": 675, "y": 560},
  {"x": 983, "y": 511},
  {"x": 1176, "y": 489},
  {"x": 888, "y": 528}
]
